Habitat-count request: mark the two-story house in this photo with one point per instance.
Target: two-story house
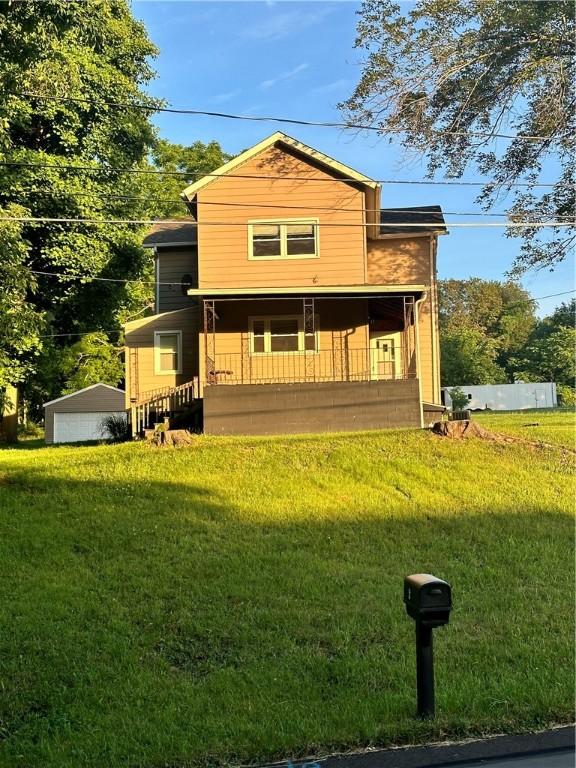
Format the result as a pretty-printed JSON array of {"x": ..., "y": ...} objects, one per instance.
[{"x": 290, "y": 301}]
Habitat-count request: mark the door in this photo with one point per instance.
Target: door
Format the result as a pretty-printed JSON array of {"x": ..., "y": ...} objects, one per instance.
[
  {"x": 79, "y": 427},
  {"x": 385, "y": 356}
]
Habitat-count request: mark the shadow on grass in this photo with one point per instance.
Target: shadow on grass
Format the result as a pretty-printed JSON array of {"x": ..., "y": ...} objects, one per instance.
[{"x": 154, "y": 623}]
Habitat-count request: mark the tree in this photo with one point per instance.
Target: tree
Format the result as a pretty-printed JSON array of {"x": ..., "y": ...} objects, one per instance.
[
  {"x": 181, "y": 166},
  {"x": 487, "y": 318},
  {"x": 549, "y": 353},
  {"x": 20, "y": 322},
  {"x": 550, "y": 358},
  {"x": 98, "y": 53},
  {"x": 448, "y": 75},
  {"x": 469, "y": 357}
]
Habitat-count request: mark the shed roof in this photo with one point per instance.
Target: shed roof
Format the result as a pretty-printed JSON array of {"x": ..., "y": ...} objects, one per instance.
[
  {"x": 392, "y": 219},
  {"x": 81, "y": 391}
]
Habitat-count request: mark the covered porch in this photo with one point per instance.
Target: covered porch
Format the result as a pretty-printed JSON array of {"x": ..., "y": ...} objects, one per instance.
[{"x": 316, "y": 338}]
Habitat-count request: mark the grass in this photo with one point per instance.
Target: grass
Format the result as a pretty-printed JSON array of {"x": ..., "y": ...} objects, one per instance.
[{"x": 241, "y": 600}]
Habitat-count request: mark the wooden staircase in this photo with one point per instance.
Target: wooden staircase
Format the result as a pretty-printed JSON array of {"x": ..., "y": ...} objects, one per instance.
[{"x": 156, "y": 405}]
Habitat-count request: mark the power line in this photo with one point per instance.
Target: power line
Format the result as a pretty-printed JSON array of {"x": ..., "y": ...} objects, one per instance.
[
  {"x": 120, "y": 330},
  {"x": 344, "y": 179},
  {"x": 407, "y": 225},
  {"x": 139, "y": 198},
  {"x": 269, "y": 119}
]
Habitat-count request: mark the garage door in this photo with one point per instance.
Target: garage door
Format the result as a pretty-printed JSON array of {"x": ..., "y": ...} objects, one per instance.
[{"x": 77, "y": 427}]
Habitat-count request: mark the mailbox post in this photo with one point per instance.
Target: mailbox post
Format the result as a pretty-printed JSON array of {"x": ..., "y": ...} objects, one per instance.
[{"x": 428, "y": 601}]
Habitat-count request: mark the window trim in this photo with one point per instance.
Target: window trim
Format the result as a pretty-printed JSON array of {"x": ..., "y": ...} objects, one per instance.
[
  {"x": 157, "y": 368},
  {"x": 282, "y": 223},
  {"x": 266, "y": 319}
]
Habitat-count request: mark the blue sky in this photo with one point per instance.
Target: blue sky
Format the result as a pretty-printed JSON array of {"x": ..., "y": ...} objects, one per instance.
[{"x": 296, "y": 59}]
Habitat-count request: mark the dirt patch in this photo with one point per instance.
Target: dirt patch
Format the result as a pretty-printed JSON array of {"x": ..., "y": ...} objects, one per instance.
[{"x": 459, "y": 430}]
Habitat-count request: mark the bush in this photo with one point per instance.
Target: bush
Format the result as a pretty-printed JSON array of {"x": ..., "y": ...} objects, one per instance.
[
  {"x": 459, "y": 399},
  {"x": 115, "y": 427},
  {"x": 566, "y": 395}
]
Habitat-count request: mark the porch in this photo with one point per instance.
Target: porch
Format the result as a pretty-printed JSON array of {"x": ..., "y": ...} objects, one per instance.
[{"x": 309, "y": 339}]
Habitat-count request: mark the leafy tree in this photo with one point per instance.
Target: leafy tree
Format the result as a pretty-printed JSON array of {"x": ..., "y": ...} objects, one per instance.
[
  {"x": 182, "y": 166},
  {"x": 469, "y": 357},
  {"x": 489, "y": 318},
  {"x": 452, "y": 73},
  {"x": 20, "y": 322},
  {"x": 459, "y": 399},
  {"x": 550, "y": 358},
  {"x": 98, "y": 53},
  {"x": 90, "y": 360}
]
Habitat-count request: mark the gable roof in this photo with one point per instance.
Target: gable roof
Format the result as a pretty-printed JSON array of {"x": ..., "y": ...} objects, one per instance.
[
  {"x": 391, "y": 220},
  {"x": 171, "y": 233},
  {"x": 80, "y": 391},
  {"x": 294, "y": 144}
]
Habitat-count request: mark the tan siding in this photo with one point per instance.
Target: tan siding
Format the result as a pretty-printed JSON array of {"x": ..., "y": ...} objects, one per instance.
[
  {"x": 93, "y": 400},
  {"x": 173, "y": 264},
  {"x": 408, "y": 260},
  {"x": 223, "y": 250},
  {"x": 140, "y": 375},
  {"x": 399, "y": 260}
]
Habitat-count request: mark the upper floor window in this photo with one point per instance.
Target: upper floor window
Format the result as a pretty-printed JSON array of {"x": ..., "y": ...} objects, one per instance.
[{"x": 290, "y": 239}]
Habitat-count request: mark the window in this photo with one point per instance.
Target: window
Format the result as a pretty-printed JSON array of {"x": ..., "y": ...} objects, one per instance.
[
  {"x": 282, "y": 334},
  {"x": 283, "y": 239},
  {"x": 167, "y": 352}
]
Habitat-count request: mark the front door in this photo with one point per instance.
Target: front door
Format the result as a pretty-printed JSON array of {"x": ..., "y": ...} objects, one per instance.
[{"x": 385, "y": 356}]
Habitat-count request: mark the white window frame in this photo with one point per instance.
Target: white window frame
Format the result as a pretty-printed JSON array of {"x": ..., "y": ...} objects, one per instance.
[
  {"x": 282, "y": 223},
  {"x": 157, "y": 368},
  {"x": 266, "y": 319}
]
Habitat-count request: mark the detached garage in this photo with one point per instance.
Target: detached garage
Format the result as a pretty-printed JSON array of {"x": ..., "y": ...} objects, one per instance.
[{"x": 77, "y": 417}]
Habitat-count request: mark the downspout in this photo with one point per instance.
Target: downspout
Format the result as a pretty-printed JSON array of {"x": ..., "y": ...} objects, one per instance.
[
  {"x": 417, "y": 339},
  {"x": 434, "y": 318},
  {"x": 157, "y": 279}
]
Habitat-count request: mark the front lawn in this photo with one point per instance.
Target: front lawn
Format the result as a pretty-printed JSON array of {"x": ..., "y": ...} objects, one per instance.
[{"x": 241, "y": 600}]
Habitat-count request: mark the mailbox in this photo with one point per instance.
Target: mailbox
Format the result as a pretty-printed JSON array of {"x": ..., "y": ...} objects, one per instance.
[{"x": 428, "y": 599}]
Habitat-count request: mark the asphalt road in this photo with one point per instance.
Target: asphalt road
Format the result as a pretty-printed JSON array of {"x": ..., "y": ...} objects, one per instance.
[{"x": 563, "y": 759}]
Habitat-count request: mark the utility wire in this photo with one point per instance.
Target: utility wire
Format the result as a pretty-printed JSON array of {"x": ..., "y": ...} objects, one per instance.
[
  {"x": 344, "y": 179},
  {"x": 139, "y": 198},
  {"x": 268, "y": 119},
  {"x": 119, "y": 330},
  {"x": 407, "y": 225}
]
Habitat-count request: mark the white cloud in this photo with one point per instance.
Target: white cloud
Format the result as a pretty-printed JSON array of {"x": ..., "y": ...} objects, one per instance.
[
  {"x": 279, "y": 25},
  {"x": 221, "y": 98},
  {"x": 265, "y": 84},
  {"x": 333, "y": 87}
]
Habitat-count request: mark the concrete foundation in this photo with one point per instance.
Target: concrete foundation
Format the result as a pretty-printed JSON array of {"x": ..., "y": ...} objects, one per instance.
[{"x": 269, "y": 409}]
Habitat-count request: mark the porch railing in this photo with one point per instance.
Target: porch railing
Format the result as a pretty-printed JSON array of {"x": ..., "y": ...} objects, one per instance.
[
  {"x": 154, "y": 406},
  {"x": 295, "y": 367}
]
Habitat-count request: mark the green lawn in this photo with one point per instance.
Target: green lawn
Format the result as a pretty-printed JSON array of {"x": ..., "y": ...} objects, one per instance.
[{"x": 241, "y": 600}]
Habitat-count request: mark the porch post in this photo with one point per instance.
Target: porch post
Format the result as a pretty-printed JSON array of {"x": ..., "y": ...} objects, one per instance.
[
  {"x": 210, "y": 339},
  {"x": 309, "y": 332}
]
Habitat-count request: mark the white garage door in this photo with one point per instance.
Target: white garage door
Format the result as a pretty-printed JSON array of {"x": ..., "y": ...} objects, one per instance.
[{"x": 77, "y": 427}]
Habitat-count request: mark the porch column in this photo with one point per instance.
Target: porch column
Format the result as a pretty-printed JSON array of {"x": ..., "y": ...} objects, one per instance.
[
  {"x": 309, "y": 333},
  {"x": 209, "y": 339}
]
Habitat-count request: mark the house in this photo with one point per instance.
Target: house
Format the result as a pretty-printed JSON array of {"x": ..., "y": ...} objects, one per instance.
[{"x": 290, "y": 301}]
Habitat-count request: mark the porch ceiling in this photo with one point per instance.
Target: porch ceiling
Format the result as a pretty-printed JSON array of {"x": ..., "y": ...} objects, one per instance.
[{"x": 311, "y": 290}]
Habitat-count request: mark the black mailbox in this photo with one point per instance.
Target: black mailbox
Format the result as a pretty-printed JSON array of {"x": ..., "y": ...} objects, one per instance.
[{"x": 428, "y": 599}]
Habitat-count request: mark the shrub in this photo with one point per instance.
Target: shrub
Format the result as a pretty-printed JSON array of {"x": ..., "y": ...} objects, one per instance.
[
  {"x": 566, "y": 395},
  {"x": 459, "y": 399},
  {"x": 115, "y": 428}
]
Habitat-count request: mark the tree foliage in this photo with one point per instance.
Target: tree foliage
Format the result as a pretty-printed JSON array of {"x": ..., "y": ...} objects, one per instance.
[
  {"x": 483, "y": 324},
  {"x": 448, "y": 74},
  {"x": 98, "y": 53}
]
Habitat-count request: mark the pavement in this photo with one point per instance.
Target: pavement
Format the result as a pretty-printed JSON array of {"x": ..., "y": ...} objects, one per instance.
[{"x": 546, "y": 749}]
